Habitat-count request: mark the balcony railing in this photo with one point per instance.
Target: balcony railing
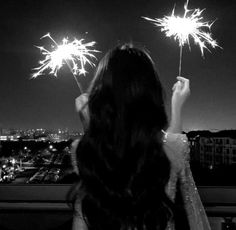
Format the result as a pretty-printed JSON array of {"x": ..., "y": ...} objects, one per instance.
[{"x": 50, "y": 203}]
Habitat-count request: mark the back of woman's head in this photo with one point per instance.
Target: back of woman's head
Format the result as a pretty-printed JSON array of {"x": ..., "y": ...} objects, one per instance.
[
  {"x": 123, "y": 167},
  {"x": 127, "y": 81}
]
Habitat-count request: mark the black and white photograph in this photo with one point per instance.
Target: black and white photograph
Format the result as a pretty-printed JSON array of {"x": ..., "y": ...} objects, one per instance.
[{"x": 118, "y": 115}]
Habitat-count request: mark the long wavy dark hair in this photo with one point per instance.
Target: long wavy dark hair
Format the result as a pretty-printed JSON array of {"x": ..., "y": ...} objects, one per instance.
[{"x": 123, "y": 167}]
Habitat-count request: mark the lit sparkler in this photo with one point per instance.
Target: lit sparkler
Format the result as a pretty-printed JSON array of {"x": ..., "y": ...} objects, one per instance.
[
  {"x": 182, "y": 28},
  {"x": 75, "y": 55}
]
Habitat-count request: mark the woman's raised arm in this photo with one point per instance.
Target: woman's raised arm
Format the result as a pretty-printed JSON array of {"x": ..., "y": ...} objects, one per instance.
[{"x": 181, "y": 92}]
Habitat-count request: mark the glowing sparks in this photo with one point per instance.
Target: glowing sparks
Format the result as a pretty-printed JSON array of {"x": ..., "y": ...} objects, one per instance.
[
  {"x": 75, "y": 54},
  {"x": 190, "y": 25}
]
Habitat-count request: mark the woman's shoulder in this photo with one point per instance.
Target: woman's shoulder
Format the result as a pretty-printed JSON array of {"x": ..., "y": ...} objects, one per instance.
[{"x": 176, "y": 146}]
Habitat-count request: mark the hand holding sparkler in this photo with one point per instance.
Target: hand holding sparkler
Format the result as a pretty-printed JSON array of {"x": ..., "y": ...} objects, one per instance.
[
  {"x": 182, "y": 28},
  {"x": 75, "y": 55},
  {"x": 181, "y": 92},
  {"x": 81, "y": 106}
]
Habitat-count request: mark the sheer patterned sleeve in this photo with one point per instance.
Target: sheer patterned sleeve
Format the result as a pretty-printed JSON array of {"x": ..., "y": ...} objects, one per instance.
[
  {"x": 78, "y": 219},
  {"x": 177, "y": 149},
  {"x": 174, "y": 148},
  {"x": 194, "y": 208},
  {"x": 171, "y": 192}
]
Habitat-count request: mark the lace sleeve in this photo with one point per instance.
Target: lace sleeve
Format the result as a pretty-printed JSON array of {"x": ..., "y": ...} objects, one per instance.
[
  {"x": 194, "y": 208},
  {"x": 177, "y": 150},
  {"x": 176, "y": 147},
  {"x": 78, "y": 219}
]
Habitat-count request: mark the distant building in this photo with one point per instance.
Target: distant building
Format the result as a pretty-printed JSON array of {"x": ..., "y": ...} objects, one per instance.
[
  {"x": 38, "y": 135},
  {"x": 212, "y": 149}
]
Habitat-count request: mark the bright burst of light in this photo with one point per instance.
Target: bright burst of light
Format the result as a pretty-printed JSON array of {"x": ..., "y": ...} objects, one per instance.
[
  {"x": 13, "y": 161},
  {"x": 76, "y": 54},
  {"x": 190, "y": 25}
]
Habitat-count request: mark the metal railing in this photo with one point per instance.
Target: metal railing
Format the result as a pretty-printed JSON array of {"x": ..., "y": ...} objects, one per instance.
[{"x": 219, "y": 202}]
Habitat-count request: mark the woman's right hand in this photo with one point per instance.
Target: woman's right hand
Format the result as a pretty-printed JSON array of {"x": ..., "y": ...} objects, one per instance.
[{"x": 181, "y": 92}]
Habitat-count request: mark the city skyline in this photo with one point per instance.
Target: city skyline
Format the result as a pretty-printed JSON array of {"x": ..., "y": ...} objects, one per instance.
[{"x": 48, "y": 102}]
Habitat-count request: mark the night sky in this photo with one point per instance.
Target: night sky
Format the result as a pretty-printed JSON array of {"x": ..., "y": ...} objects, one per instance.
[{"x": 48, "y": 102}]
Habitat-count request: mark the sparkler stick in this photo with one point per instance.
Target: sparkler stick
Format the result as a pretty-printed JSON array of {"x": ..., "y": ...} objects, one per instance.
[
  {"x": 190, "y": 25},
  {"x": 75, "y": 55},
  {"x": 77, "y": 82},
  {"x": 180, "y": 59}
]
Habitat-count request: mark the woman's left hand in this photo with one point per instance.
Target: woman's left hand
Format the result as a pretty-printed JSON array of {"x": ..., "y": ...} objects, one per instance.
[
  {"x": 81, "y": 106},
  {"x": 81, "y": 101}
]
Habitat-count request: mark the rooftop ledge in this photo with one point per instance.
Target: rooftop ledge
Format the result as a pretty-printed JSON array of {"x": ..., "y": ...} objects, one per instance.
[{"x": 218, "y": 201}]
